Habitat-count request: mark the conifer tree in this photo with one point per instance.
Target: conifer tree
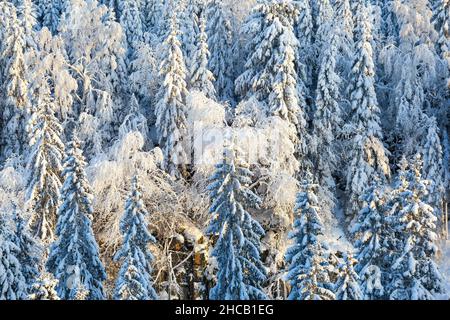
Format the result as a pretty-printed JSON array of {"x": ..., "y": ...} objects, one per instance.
[
  {"x": 220, "y": 44},
  {"x": 74, "y": 257},
  {"x": 12, "y": 281},
  {"x": 170, "y": 110},
  {"x": 368, "y": 154},
  {"x": 30, "y": 251},
  {"x": 44, "y": 288},
  {"x": 134, "y": 281},
  {"x": 201, "y": 78},
  {"x": 326, "y": 122},
  {"x": 45, "y": 167},
  {"x": 415, "y": 275},
  {"x": 130, "y": 19},
  {"x": 307, "y": 273},
  {"x": 371, "y": 233},
  {"x": 347, "y": 286},
  {"x": 237, "y": 250}
]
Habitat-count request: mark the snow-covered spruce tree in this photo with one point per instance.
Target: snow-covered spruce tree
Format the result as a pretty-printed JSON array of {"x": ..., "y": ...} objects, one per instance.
[
  {"x": 304, "y": 31},
  {"x": 347, "y": 286},
  {"x": 201, "y": 78},
  {"x": 44, "y": 288},
  {"x": 306, "y": 261},
  {"x": 441, "y": 21},
  {"x": 170, "y": 110},
  {"x": 270, "y": 74},
  {"x": 12, "y": 281},
  {"x": 414, "y": 273},
  {"x": 367, "y": 152},
  {"x": 30, "y": 252},
  {"x": 345, "y": 26},
  {"x": 190, "y": 26},
  {"x": 45, "y": 167},
  {"x": 13, "y": 83},
  {"x": 240, "y": 271},
  {"x": 134, "y": 281},
  {"x": 433, "y": 167},
  {"x": 130, "y": 19},
  {"x": 324, "y": 18},
  {"x": 26, "y": 12},
  {"x": 153, "y": 14},
  {"x": 371, "y": 233},
  {"x": 74, "y": 257},
  {"x": 326, "y": 122},
  {"x": 49, "y": 13},
  {"x": 220, "y": 44}
]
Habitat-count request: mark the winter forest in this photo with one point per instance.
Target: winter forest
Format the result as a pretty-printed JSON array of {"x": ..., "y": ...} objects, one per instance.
[{"x": 224, "y": 149}]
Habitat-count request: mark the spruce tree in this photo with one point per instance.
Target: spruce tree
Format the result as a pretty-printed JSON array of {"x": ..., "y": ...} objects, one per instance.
[
  {"x": 45, "y": 166},
  {"x": 44, "y": 288},
  {"x": 326, "y": 122},
  {"x": 12, "y": 281},
  {"x": 306, "y": 261},
  {"x": 130, "y": 19},
  {"x": 134, "y": 281},
  {"x": 201, "y": 78},
  {"x": 371, "y": 235},
  {"x": 170, "y": 110},
  {"x": 237, "y": 250},
  {"x": 74, "y": 257},
  {"x": 368, "y": 154},
  {"x": 347, "y": 286},
  {"x": 415, "y": 275},
  {"x": 30, "y": 251},
  {"x": 220, "y": 44}
]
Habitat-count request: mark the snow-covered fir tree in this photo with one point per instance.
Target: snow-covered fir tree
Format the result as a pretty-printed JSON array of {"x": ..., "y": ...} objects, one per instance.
[
  {"x": 13, "y": 284},
  {"x": 220, "y": 39},
  {"x": 368, "y": 155},
  {"x": 345, "y": 25},
  {"x": 26, "y": 11},
  {"x": 371, "y": 233},
  {"x": 190, "y": 28},
  {"x": 415, "y": 275},
  {"x": 30, "y": 251},
  {"x": 74, "y": 257},
  {"x": 433, "y": 167},
  {"x": 13, "y": 82},
  {"x": 326, "y": 122},
  {"x": 305, "y": 258},
  {"x": 44, "y": 288},
  {"x": 45, "y": 167},
  {"x": 269, "y": 72},
  {"x": 49, "y": 13},
  {"x": 347, "y": 286},
  {"x": 170, "y": 110},
  {"x": 201, "y": 78},
  {"x": 130, "y": 19},
  {"x": 240, "y": 272},
  {"x": 134, "y": 281}
]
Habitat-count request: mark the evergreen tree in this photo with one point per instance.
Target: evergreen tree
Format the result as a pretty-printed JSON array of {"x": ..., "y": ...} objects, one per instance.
[
  {"x": 170, "y": 110},
  {"x": 270, "y": 74},
  {"x": 44, "y": 288},
  {"x": 44, "y": 165},
  {"x": 200, "y": 77},
  {"x": 327, "y": 120},
  {"x": 190, "y": 28},
  {"x": 130, "y": 19},
  {"x": 415, "y": 275},
  {"x": 30, "y": 252},
  {"x": 345, "y": 27},
  {"x": 306, "y": 260},
  {"x": 220, "y": 44},
  {"x": 134, "y": 281},
  {"x": 12, "y": 281},
  {"x": 441, "y": 18},
  {"x": 237, "y": 249},
  {"x": 433, "y": 168},
  {"x": 26, "y": 12},
  {"x": 369, "y": 156},
  {"x": 13, "y": 82},
  {"x": 74, "y": 257},
  {"x": 49, "y": 13},
  {"x": 347, "y": 286},
  {"x": 371, "y": 233}
]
